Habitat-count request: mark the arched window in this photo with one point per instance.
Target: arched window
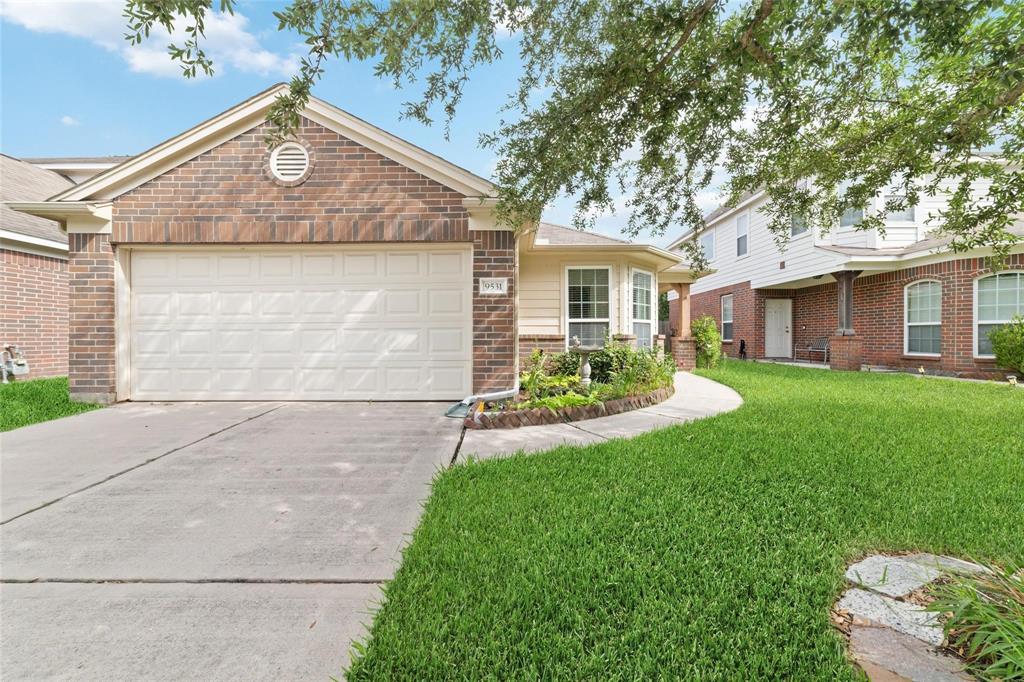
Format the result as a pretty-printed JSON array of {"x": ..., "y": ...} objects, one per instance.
[
  {"x": 997, "y": 298},
  {"x": 922, "y": 305}
]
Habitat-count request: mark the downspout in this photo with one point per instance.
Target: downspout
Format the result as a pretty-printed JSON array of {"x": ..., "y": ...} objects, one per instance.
[{"x": 464, "y": 407}]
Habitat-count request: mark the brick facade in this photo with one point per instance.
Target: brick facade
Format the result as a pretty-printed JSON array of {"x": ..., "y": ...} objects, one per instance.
[
  {"x": 34, "y": 310},
  {"x": 228, "y": 196},
  {"x": 878, "y": 316},
  {"x": 549, "y": 343}
]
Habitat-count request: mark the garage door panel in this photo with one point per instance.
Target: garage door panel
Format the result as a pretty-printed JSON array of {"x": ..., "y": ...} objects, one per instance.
[{"x": 297, "y": 324}]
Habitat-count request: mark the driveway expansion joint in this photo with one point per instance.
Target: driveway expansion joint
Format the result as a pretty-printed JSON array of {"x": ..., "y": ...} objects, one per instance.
[{"x": 139, "y": 465}]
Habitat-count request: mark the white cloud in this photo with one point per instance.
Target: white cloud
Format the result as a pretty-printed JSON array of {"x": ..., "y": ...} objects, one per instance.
[
  {"x": 227, "y": 41},
  {"x": 69, "y": 121}
]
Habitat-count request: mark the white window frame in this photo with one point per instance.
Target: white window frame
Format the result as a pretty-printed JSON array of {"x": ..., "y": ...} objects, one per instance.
[
  {"x": 709, "y": 255},
  {"x": 884, "y": 197},
  {"x": 907, "y": 324},
  {"x": 974, "y": 313},
  {"x": 653, "y": 303},
  {"x": 745, "y": 216},
  {"x": 732, "y": 316},
  {"x": 565, "y": 298}
]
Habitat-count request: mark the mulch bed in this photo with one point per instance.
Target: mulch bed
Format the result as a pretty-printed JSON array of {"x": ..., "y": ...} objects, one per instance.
[{"x": 539, "y": 416}]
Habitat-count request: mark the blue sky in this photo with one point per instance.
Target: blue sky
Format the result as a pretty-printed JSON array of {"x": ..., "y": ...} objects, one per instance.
[{"x": 70, "y": 85}]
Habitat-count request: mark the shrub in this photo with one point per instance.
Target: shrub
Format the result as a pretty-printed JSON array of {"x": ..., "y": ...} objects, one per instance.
[
  {"x": 537, "y": 383},
  {"x": 616, "y": 371},
  {"x": 707, "y": 340},
  {"x": 1008, "y": 344},
  {"x": 567, "y": 363},
  {"x": 986, "y": 621}
]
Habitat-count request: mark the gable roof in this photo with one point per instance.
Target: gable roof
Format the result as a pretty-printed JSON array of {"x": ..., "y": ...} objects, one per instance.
[
  {"x": 21, "y": 181},
  {"x": 559, "y": 235},
  {"x": 247, "y": 115}
]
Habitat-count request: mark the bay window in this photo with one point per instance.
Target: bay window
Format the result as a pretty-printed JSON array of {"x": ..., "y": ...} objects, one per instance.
[
  {"x": 643, "y": 308},
  {"x": 588, "y": 310}
]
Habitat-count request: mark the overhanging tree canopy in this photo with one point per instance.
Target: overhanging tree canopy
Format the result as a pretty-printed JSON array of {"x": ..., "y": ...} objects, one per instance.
[{"x": 647, "y": 99}]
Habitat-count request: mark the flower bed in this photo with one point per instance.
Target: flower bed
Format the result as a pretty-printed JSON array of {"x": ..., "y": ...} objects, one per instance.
[
  {"x": 537, "y": 416},
  {"x": 552, "y": 391}
]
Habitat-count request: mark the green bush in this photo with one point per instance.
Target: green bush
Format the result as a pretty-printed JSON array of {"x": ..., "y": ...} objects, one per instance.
[
  {"x": 1008, "y": 344},
  {"x": 986, "y": 621},
  {"x": 603, "y": 362},
  {"x": 538, "y": 384},
  {"x": 708, "y": 341}
]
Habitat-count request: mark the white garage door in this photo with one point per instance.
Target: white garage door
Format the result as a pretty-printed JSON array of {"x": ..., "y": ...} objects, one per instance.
[{"x": 315, "y": 323}]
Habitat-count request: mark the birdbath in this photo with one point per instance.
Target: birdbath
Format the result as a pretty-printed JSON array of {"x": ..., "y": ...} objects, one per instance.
[{"x": 584, "y": 352}]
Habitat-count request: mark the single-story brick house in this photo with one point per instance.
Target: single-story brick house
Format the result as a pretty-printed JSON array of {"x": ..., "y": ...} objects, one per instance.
[
  {"x": 34, "y": 253},
  {"x": 345, "y": 263},
  {"x": 900, "y": 300}
]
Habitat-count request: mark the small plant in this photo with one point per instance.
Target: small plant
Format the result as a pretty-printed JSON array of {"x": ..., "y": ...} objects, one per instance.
[
  {"x": 707, "y": 341},
  {"x": 556, "y": 402},
  {"x": 1008, "y": 344},
  {"x": 537, "y": 383},
  {"x": 985, "y": 623}
]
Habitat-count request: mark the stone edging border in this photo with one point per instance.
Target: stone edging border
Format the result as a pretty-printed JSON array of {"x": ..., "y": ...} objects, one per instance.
[{"x": 539, "y": 416}]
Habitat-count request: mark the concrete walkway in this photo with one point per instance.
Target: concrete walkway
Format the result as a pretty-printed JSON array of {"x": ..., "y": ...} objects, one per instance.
[{"x": 695, "y": 398}]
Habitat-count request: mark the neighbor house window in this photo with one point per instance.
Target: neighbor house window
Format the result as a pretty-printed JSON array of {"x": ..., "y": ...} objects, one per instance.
[
  {"x": 742, "y": 236},
  {"x": 643, "y": 308},
  {"x": 998, "y": 298},
  {"x": 923, "y": 318},
  {"x": 905, "y": 215},
  {"x": 797, "y": 225},
  {"x": 727, "y": 317},
  {"x": 707, "y": 245},
  {"x": 851, "y": 217},
  {"x": 588, "y": 297}
]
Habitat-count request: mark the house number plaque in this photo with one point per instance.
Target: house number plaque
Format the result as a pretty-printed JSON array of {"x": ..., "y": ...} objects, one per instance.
[{"x": 493, "y": 286}]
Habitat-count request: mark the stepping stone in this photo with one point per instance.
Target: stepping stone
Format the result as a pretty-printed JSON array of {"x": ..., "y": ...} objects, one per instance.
[
  {"x": 900, "y": 616},
  {"x": 946, "y": 564},
  {"x": 895, "y": 576},
  {"x": 885, "y": 654}
]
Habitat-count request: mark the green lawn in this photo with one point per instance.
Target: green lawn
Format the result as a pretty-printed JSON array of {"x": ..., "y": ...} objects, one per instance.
[
  {"x": 707, "y": 551},
  {"x": 39, "y": 400}
]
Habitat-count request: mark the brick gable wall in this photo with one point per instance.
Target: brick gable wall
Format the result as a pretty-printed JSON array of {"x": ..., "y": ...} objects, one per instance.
[
  {"x": 878, "y": 316},
  {"x": 352, "y": 195},
  {"x": 34, "y": 310}
]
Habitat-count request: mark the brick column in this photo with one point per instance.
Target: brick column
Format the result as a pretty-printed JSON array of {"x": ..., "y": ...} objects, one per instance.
[
  {"x": 91, "y": 344},
  {"x": 494, "y": 317},
  {"x": 684, "y": 352},
  {"x": 845, "y": 353}
]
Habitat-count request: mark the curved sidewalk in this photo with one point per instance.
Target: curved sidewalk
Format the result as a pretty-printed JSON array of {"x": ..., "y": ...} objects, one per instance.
[{"x": 695, "y": 398}]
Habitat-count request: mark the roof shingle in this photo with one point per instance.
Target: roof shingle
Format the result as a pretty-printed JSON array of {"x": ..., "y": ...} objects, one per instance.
[{"x": 21, "y": 181}]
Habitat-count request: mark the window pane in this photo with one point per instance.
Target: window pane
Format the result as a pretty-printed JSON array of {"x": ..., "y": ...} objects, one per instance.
[
  {"x": 924, "y": 302},
  {"x": 984, "y": 343},
  {"x": 575, "y": 277},
  {"x": 1000, "y": 297},
  {"x": 851, "y": 217},
  {"x": 924, "y": 339},
  {"x": 741, "y": 225},
  {"x": 727, "y": 331},
  {"x": 741, "y": 245},
  {"x": 589, "y": 333},
  {"x": 797, "y": 225},
  {"x": 707, "y": 244},
  {"x": 727, "y": 308},
  {"x": 588, "y": 294},
  {"x": 641, "y": 296},
  {"x": 642, "y": 332}
]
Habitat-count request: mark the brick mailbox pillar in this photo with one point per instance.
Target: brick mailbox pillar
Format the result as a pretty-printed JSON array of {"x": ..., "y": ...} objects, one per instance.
[
  {"x": 684, "y": 352},
  {"x": 845, "y": 353}
]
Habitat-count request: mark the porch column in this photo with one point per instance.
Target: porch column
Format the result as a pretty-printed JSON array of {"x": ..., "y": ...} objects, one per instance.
[
  {"x": 845, "y": 348},
  {"x": 684, "y": 350}
]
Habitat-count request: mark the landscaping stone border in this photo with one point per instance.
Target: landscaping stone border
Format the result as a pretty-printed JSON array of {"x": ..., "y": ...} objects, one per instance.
[{"x": 539, "y": 416}]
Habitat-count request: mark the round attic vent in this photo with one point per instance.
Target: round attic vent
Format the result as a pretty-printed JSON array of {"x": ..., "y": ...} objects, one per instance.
[{"x": 289, "y": 161}]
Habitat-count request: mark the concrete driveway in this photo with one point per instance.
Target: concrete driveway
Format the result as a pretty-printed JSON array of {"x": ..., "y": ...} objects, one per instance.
[{"x": 207, "y": 540}]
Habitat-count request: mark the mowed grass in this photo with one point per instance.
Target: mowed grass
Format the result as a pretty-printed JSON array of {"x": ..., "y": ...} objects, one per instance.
[
  {"x": 712, "y": 550},
  {"x": 38, "y": 400}
]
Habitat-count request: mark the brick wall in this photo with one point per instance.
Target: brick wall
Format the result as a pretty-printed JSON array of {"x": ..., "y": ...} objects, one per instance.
[
  {"x": 227, "y": 195},
  {"x": 746, "y": 324},
  {"x": 34, "y": 310},
  {"x": 91, "y": 317},
  {"x": 549, "y": 343},
  {"x": 878, "y": 316}
]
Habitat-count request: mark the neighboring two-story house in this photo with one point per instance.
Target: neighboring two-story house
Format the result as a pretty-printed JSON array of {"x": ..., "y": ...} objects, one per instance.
[{"x": 898, "y": 300}]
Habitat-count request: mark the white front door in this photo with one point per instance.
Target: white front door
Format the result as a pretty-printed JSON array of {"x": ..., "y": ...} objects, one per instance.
[
  {"x": 778, "y": 325},
  {"x": 302, "y": 323}
]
